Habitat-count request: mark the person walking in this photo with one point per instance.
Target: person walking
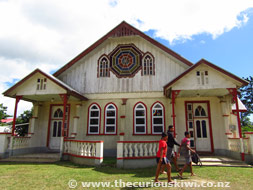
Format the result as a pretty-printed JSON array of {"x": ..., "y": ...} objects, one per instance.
[
  {"x": 162, "y": 159},
  {"x": 171, "y": 154},
  {"x": 186, "y": 152}
]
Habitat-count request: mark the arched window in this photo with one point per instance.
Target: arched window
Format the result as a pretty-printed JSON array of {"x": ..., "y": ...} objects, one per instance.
[
  {"x": 203, "y": 122},
  {"x": 57, "y": 124},
  {"x": 140, "y": 119},
  {"x": 200, "y": 112},
  {"x": 110, "y": 119},
  {"x": 103, "y": 67},
  {"x": 58, "y": 113},
  {"x": 57, "y": 128},
  {"x": 157, "y": 118},
  {"x": 198, "y": 129},
  {"x": 148, "y": 65},
  {"x": 94, "y": 119}
]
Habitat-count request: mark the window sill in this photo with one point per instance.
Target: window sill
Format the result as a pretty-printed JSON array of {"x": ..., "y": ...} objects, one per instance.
[
  {"x": 146, "y": 134},
  {"x": 101, "y": 134}
]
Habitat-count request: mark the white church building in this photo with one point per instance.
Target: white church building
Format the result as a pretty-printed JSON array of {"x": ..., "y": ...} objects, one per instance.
[{"x": 116, "y": 98}]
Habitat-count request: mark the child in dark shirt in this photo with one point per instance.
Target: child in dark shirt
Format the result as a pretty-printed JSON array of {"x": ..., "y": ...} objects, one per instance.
[{"x": 186, "y": 152}]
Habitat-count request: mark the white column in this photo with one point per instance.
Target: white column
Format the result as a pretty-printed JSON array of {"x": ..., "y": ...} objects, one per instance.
[
  {"x": 11, "y": 146},
  {"x": 33, "y": 119},
  {"x": 120, "y": 154},
  {"x": 99, "y": 153},
  {"x": 76, "y": 120},
  {"x": 61, "y": 147},
  {"x": 225, "y": 115},
  {"x": 35, "y": 110},
  {"x": 3, "y": 143},
  {"x": 32, "y": 125}
]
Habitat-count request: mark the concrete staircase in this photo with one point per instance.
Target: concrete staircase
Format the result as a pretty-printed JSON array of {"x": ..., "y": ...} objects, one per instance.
[
  {"x": 48, "y": 157},
  {"x": 218, "y": 161}
]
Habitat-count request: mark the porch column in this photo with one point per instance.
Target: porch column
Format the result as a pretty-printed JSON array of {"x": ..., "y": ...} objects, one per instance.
[
  {"x": 122, "y": 112},
  {"x": 76, "y": 120},
  {"x": 33, "y": 119},
  {"x": 234, "y": 93},
  {"x": 225, "y": 115},
  {"x": 174, "y": 94},
  {"x": 18, "y": 98}
]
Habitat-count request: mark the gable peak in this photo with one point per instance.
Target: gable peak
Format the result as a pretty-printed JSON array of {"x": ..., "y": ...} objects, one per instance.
[{"x": 123, "y": 29}]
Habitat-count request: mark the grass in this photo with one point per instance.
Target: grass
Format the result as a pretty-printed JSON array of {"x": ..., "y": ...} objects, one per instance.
[{"x": 16, "y": 176}]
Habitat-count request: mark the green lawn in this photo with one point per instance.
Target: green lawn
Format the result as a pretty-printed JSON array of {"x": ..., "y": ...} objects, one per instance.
[{"x": 56, "y": 176}]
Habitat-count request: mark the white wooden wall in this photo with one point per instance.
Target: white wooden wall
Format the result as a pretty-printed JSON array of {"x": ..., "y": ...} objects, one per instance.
[
  {"x": 216, "y": 80},
  {"x": 82, "y": 76}
]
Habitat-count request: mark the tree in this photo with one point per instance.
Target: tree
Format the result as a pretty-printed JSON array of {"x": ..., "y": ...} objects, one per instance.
[
  {"x": 24, "y": 118},
  {"x": 246, "y": 96},
  {"x": 3, "y": 114}
]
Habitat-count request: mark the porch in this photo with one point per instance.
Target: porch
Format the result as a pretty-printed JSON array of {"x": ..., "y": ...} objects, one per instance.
[
  {"x": 130, "y": 154},
  {"x": 140, "y": 154}
]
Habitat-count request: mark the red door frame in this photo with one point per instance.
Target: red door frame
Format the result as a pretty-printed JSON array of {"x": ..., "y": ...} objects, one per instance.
[
  {"x": 49, "y": 121},
  {"x": 209, "y": 119}
]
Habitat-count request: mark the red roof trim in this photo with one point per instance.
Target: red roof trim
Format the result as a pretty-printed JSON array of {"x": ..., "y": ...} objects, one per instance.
[
  {"x": 6, "y": 120},
  {"x": 69, "y": 91},
  {"x": 209, "y": 64},
  {"x": 123, "y": 29}
]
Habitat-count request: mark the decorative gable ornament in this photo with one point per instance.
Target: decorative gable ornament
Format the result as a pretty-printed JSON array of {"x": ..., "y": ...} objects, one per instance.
[{"x": 125, "y": 61}]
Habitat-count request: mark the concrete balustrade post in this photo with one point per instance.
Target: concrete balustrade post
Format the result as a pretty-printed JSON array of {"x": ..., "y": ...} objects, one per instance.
[
  {"x": 99, "y": 153},
  {"x": 120, "y": 154},
  {"x": 61, "y": 147},
  {"x": 250, "y": 145}
]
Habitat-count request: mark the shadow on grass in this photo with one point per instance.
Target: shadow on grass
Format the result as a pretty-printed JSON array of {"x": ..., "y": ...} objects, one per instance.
[{"x": 108, "y": 167}]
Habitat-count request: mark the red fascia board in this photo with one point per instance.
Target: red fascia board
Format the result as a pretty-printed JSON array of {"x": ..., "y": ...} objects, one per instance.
[
  {"x": 73, "y": 93},
  {"x": 240, "y": 110},
  {"x": 19, "y": 83},
  {"x": 133, "y": 158},
  {"x": 209, "y": 64},
  {"x": 81, "y": 141},
  {"x": 109, "y": 34},
  {"x": 244, "y": 82},
  {"x": 80, "y": 156},
  {"x": 137, "y": 141}
]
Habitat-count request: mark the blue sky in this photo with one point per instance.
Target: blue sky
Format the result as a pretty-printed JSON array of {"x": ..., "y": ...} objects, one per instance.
[
  {"x": 48, "y": 34},
  {"x": 232, "y": 51}
]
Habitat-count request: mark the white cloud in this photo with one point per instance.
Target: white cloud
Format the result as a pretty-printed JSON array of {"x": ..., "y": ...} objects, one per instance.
[
  {"x": 49, "y": 33},
  {"x": 202, "y": 41}
]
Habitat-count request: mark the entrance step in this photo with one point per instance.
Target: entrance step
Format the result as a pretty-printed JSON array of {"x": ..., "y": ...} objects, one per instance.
[
  {"x": 218, "y": 161},
  {"x": 34, "y": 158}
]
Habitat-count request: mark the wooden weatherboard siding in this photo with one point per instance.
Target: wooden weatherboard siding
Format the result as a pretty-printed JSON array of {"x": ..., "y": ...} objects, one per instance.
[{"x": 83, "y": 75}]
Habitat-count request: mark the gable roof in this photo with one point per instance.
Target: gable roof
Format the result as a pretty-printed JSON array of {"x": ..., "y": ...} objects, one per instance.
[
  {"x": 123, "y": 29},
  {"x": 203, "y": 61},
  {"x": 69, "y": 90}
]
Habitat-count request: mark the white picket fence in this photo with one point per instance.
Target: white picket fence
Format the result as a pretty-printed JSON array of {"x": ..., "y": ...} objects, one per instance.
[
  {"x": 136, "y": 149},
  {"x": 85, "y": 149},
  {"x": 21, "y": 142},
  {"x": 234, "y": 144}
]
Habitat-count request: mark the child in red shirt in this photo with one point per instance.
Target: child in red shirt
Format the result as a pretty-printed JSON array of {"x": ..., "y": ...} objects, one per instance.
[{"x": 162, "y": 159}]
